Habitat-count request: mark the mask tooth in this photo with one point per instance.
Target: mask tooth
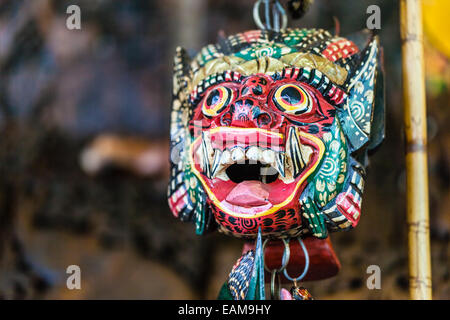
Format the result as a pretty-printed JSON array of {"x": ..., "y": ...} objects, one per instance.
[
  {"x": 253, "y": 154},
  {"x": 306, "y": 153},
  {"x": 294, "y": 152},
  {"x": 268, "y": 157},
  {"x": 216, "y": 163},
  {"x": 205, "y": 156},
  {"x": 226, "y": 157},
  {"x": 238, "y": 155},
  {"x": 280, "y": 161}
]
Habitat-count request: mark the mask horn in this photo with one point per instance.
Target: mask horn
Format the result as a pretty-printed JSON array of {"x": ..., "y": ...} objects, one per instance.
[{"x": 364, "y": 87}]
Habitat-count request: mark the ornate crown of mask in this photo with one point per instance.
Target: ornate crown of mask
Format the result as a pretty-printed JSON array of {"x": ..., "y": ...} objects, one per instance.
[{"x": 271, "y": 130}]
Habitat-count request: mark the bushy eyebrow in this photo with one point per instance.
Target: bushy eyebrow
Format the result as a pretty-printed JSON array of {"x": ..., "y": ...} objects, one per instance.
[
  {"x": 316, "y": 79},
  {"x": 212, "y": 80},
  {"x": 313, "y": 77}
]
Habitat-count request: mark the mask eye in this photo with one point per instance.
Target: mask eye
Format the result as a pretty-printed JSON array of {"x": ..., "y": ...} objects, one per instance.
[
  {"x": 292, "y": 99},
  {"x": 216, "y": 101}
]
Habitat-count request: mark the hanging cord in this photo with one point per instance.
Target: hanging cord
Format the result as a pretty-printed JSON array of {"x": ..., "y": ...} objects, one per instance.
[{"x": 278, "y": 13}]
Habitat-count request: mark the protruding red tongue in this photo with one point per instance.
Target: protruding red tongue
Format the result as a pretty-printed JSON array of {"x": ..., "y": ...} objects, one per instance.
[{"x": 250, "y": 193}]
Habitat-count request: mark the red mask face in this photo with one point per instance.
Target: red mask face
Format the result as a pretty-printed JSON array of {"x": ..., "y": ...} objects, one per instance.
[{"x": 258, "y": 140}]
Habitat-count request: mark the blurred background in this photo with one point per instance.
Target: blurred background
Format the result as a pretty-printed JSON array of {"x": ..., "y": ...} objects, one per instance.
[{"x": 84, "y": 123}]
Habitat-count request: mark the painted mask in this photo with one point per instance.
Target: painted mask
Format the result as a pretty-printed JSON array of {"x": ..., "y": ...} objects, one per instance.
[{"x": 272, "y": 130}]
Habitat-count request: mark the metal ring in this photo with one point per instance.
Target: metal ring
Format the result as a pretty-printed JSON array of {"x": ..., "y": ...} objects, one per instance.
[
  {"x": 276, "y": 18},
  {"x": 277, "y": 10},
  {"x": 267, "y": 14},
  {"x": 256, "y": 15},
  {"x": 284, "y": 19},
  {"x": 305, "y": 269},
  {"x": 273, "y": 277},
  {"x": 285, "y": 259}
]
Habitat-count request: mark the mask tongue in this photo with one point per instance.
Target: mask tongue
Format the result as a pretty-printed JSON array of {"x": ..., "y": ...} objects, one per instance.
[{"x": 249, "y": 193}]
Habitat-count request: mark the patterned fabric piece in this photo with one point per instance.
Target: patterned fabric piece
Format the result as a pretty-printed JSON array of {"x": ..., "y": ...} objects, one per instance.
[
  {"x": 246, "y": 279},
  {"x": 240, "y": 275}
]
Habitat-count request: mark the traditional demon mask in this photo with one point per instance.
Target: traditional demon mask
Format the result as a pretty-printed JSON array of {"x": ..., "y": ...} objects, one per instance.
[{"x": 272, "y": 130}]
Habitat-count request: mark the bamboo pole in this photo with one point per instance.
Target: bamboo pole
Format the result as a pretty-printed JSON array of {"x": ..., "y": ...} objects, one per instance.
[{"x": 416, "y": 149}]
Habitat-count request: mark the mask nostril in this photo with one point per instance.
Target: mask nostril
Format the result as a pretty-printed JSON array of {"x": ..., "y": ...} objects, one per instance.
[
  {"x": 258, "y": 90},
  {"x": 263, "y": 119},
  {"x": 226, "y": 119}
]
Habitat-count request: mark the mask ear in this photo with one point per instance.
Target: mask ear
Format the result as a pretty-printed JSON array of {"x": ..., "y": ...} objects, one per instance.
[
  {"x": 363, "y": 86},
  {"x": 378, "y": 118},
  {"x": 187, "y": 199},
  {"x": 180, "y": 201},
  {"x": 180, "y": 105}
]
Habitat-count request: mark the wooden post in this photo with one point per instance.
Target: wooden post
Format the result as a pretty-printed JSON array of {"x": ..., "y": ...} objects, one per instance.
[{"x": 416, "y": 149}]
